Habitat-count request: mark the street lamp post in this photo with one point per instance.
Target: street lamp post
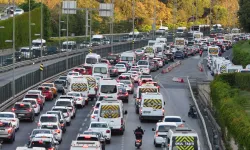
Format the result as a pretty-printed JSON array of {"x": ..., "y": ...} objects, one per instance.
[
  {"x": 59, "y": 32},
  {"x": 154, "y": 24},
  {"x": 67, "y": 37},
  {"x": 133, "y": 14},
  {"x": 112, "y": 26}
]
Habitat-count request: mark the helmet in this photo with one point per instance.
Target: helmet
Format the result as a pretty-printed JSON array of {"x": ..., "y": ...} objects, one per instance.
[{"x": 139, "y": 127}]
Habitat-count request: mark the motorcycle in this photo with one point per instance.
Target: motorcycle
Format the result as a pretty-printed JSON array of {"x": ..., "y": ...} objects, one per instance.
[
  {"x": 138, "y": 142},
  {"x": 192, "y": 111}
]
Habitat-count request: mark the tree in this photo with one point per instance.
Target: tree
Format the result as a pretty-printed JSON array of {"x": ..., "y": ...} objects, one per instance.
[{"x": 244, "y": 13}]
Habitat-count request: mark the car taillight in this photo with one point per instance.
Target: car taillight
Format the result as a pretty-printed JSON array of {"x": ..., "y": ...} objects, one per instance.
[
  {"x": 181, "y": 125},
  {"x": 38, "y": 100},
  {"x": 121, "y": 121},
  {"x": 140, "y": 111},
  {"x": 126, "y": 94},
  {"x": 156, "y": 133},
  {"x": 29, "y": 110},
  {"x": 13, "y": 109},
  {"x": 79, "y": 99},
  {"x": 93, "y": 116},
  {"x": 38, "y": 124},
  {"x": 51, "y": 149},
  {"x": 163, "y": 111},
  {"x": 67, "y": 114},
  {"x": 62, "y": 124},
  {"x": 9, "y": 130},
  {"x": 57, "y": 131},
  {"x": 107, "y": 131},
  {"x": 130, "y": 85},
  {"x": 35, "y": 106}
]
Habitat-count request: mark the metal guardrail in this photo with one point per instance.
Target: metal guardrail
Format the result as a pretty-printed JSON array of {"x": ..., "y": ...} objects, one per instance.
[
  {"x": 50, "y": 57},
  {"x": 199, "y": 112}
]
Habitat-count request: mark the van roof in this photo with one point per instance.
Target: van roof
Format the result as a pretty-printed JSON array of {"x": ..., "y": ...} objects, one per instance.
[
  {"x": 93, "y": 55},
  {"x": 97, "y": 36},
  {"x": 100, "y": 65},
  {"x": 38, "y": 41}
]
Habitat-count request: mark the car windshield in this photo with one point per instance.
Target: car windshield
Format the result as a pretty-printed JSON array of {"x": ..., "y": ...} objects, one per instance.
[
  {"x": 6, "y": 115},
  {"x": 125, "y": 82},
  {"x": 45, "y": 144},
  {"x": 122, "y": 90},
  {"x": 108, "y": 89},
  {"x": 165, "y": 128},
  {"x": 91, "y": 60},
  {"x": 63, "y": 103},
  {"x": 127, "y": 58},
  {"x": 102, "y": 70},
  {"x": 31, "y": 96},
  {"x": 48, "y": 119},
  {"x": 99, "y": 125},
  {"x": 73, "y": 73},
  {"x": 172, "y": 120}
]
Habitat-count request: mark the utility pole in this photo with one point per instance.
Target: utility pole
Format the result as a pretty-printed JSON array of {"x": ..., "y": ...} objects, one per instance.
[
  {"x": 30, "y": 56},
  {"x": 175, "y": 15},
  {"x": 196, "y": 14},
  {"x": 86, "y": 23},
  {"x": 14, "y": 49},
  {"x": 67, "y": 65},
  {"x": 133, "y": 14},
  {"x": 154, "y": 23},
  {"x": 41, "y": 36},
  {"x": 60, "y": 18},
  {"x": 112, "y": 26},
  {"x": 90, "y": 28}
]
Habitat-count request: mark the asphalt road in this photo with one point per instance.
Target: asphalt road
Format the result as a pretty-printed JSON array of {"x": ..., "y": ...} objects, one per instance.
[{"x": 177, "y": 103}]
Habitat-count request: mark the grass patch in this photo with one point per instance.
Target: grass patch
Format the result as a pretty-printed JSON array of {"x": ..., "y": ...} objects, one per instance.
[{"x": 241, "y": 53}]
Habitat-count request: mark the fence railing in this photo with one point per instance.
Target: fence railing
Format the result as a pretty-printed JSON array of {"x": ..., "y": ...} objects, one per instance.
[
  {"x": 203, "y": 102},
  {"x": 30, "y": 79}
]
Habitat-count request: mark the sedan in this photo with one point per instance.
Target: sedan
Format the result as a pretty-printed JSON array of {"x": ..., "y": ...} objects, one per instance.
[
  {"x": 176, "y": 119},
  {"x": 101, "y": 127},
  {"x": 52, "y": 86},
  {"x": 10, "y": 116},
  {"x": 123, "y": 95},
  {"x": 121, "y": 68},
  {"x": 80, "y": 99},
  {"x": 94, "y": 116},
  {"x": 46, "y": 92},
  {"x": 113, "y": 72},
  {"x": 139, "y": 52},
  {"x": 179, "y": 54}
]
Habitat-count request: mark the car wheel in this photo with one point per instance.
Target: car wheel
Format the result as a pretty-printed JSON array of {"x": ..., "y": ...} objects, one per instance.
[
  {"x": 156, "y": 145},
  {"x": 64, "y": 130},
  {"x": 37, "y": 113},
  {"x": 68, "y": 123},
  {"x": 12, "y": 138},
  {"x": 108, "y": 141},
  {"x": 60, "y": 141},
  {"x": 32, "y": 118}
]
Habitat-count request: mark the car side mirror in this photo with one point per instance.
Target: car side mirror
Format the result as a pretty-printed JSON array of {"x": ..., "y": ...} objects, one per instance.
[
  {"x": 126, "y": 112},
  {"x": 153, "y": 129}
]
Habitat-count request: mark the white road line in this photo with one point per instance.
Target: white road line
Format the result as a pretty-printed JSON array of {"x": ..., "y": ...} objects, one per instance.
[
  {"x": 80, "y": 129},
  {"x": 83, "y": 124},
  {"x": 88, "y": 115},
  {"x": 122, "y": 145},
  {"x": 85, "y": 119}
]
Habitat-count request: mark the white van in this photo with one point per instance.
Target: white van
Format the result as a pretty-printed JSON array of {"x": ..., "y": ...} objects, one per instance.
[
  {"x": 36, "y": 44},
  {"x": 151, "y": 107},
  {"x": 91, "y": 59},
  {"x": 151, "y": 42},
  {"x": 68, "y": 46},
  {"x": 79, "y": 84},
  {"x": 101, "y": 69},
  {"x": 129, "y": 57},
  {"x": 92, "y": 83},
  {"x": 161, "y": 40},
  {"x": 234, "y": 68},
  {"x": 183, "y": 138},
  {"x": 98, "y": 40},
  {"x": 159, "y": 49},
  {"x": 108, "y": 87},
  {"x": 111, "y": 111},
  {"x": 33, "y": 148}
]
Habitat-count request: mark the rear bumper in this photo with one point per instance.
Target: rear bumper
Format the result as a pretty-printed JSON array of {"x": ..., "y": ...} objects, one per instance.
[
  {"x": 92, "y": 96},
  {"x": 24, "y": 116}
]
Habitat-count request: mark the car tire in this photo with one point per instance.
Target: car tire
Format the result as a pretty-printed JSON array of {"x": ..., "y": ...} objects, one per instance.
[
  {"x": 13, "y": 138},
  {"x": 37, "y": 113},
  {"x": 64, "y": 130},
  {"x": 108, "y": 141},
  {"x": 60, "y": 141},
  {"x": 32, "y": 118},
  {"x": 68, "y": 123},
  {"x": 156, "y": 145}
]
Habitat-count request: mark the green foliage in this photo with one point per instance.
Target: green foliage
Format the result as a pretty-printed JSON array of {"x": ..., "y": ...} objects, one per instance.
[
  {"x": 22, "y": 30},
  {"x": 232, "y": 105},
  {"x": 33, "y": 5},
  {"x": 241, "y": 53},
  {"x": 244, "y": 13}
]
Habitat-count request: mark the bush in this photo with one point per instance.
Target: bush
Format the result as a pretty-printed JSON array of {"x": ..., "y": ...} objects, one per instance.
[
  {"x": 22, "y": 28},
  {"x": 241, "y": 53}
]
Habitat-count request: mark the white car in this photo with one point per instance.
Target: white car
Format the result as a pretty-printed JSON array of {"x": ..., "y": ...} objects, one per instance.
[
  {"x": 94, "y": 116},
  {"x": 67, "y": 103},
  {"x": 101, "y": 127},
  {"x": 121, "y": 68},
  {"x": 37, "y": 92},
  {"x": 135, "y": 75},
  {"x": 161, "y": 132},
  {"x": 120, "y": 85},
  {"x": 175, "y": 119},
  {"x": 48, "y": 118},
  {"x": 18, "y": 11},
  {"x": 80, "y": 99},
  {"x": 10, "y": 116},
  {"x": 34, "y": 104},
  {"x": 65, "y": 111},
  {"x": 55, "y": 128},
  {"x": 139, "y": 52}
]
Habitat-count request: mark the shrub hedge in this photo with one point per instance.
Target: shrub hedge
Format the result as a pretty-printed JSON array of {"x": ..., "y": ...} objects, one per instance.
[
  {"x": 241, "y": 53},
  {"x": 22, "y": 28},
  {"x": 229, "y": 110}
]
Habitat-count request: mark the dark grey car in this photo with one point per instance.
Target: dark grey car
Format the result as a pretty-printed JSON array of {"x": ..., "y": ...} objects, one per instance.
[
  {"x": 179, "y": 54},
  {"x": 60, "y": 85},
  {"x": 24, "y": 110}
]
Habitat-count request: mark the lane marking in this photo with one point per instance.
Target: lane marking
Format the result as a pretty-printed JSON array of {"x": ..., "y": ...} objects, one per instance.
[
  {"x": 85, "y": 119},
  {"x": 88, "y": 115},
  {"x": 122, "y": 145},
  {"x": 83, "y": 124},
  {"x": 80, "y": 129}
]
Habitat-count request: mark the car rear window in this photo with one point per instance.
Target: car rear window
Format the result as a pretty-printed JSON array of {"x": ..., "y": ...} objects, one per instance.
[
  {"x": 22, "y": 106},
  {"x": 63, "y": 103},
  {"x": 48, "y": 119},
  {"x": 87, "y": 138},
  {"x": 31, "y": 96},
  {"x": 99, "y": 125},
  {"x": 49, "y": 127},
  {"x": 56, "y": 113},
  {"x": 62, "y": 110},
  {"x": 165, "y": 128},
  {"x": 6, "y": 116},
  {"x": 30, "y": 101},
  {"x": 172, "y": 120}
]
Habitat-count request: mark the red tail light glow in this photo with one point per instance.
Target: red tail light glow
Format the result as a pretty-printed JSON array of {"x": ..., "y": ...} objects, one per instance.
[
  {"x": 9, "y": 130},
  {"x": 126, "y": 94},
  {"x": 57, "y": 131},
  {"x": 156, "y": 133},
  {"x": 13, "y": 109},
  {"x": 29, "y": 110},
  {"x": 108, "y": 131},
  {"x": 93, "y": 116}
]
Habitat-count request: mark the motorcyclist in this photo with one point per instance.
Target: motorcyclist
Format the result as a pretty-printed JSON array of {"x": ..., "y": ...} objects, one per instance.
[
  {"x": 201, "y": 53},
  {"x": 138, "y": 133}
]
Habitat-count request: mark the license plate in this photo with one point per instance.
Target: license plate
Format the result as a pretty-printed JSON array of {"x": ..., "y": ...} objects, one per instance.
[
  {"x": 146, "y": 112},
  {"x": 137, "y": 143},
  {"x": 21, "y": 114}
]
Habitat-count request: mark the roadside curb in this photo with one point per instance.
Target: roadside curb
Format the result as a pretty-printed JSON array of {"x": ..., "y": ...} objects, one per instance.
[{"x": 171, "y": 67}]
